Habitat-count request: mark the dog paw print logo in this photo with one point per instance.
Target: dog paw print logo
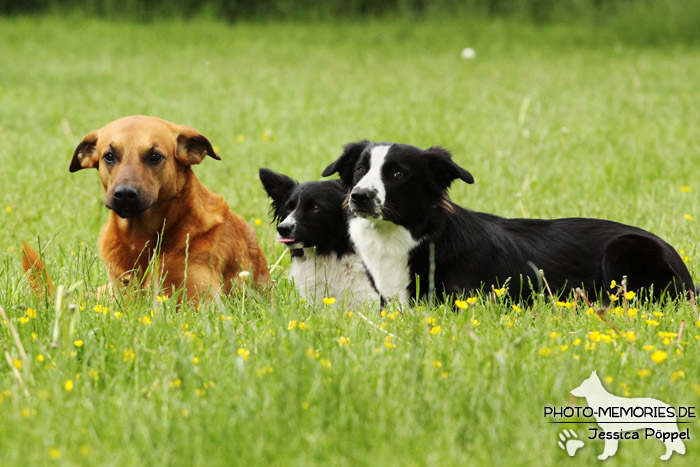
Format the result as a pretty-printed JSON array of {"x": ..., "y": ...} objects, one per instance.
[{"x": 569, "y": 442}]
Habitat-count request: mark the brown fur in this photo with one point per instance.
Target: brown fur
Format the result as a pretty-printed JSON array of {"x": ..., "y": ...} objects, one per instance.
[
  {"x": 34, "y": 267},
  {"x": 204, "y": 245}
]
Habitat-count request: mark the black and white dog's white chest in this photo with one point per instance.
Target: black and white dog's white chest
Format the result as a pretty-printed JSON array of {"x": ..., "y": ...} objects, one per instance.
[
  {"x": 341, "y": 277},
  {"x": 385, "y": 249}
]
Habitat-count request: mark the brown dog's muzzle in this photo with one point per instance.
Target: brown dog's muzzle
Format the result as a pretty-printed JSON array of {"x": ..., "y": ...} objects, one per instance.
[{"x": 126, "y": 201}]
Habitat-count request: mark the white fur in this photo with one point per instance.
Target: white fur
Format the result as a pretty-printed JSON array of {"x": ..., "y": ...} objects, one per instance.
[
  {"x": 344, "y": 278},
  {"x": 385, "y": 248},
  {"x": 373, "y": 178}
]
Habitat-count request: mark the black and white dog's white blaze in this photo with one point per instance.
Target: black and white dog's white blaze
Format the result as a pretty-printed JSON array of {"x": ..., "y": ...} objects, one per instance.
[
  {"x": 312, "y": 223},
  {"x": 403, "y": 218}
]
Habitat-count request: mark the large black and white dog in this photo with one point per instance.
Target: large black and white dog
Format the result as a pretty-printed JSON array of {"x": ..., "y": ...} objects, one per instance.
[
  {"x": 312, "y": 222},
  {"x": 412, "y": 237}
]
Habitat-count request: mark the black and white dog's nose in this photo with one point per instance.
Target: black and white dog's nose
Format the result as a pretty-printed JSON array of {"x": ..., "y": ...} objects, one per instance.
[
  {"x": 361, "y": 196},
  {"x": 285, "y": 230}
]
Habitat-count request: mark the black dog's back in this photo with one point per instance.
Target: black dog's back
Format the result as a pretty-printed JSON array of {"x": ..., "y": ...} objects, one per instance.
[{"x": 474, "y": 248}]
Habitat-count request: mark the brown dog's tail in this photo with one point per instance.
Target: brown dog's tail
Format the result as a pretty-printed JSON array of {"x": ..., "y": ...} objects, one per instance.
[{"x": 34, "y": 267}]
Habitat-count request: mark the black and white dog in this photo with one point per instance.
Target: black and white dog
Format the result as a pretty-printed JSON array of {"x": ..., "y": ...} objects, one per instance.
[
  {"x": 414, "y": 240},
  {"x": 312, "y": 223}
]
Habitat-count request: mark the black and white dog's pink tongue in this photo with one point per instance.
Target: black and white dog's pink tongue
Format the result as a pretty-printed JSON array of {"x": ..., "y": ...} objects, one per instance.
[{"x": 285, "y": 240}]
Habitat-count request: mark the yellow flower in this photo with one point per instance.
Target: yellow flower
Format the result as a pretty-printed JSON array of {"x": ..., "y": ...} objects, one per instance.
[
  {"x": 688, "y": 217},
  {"x": 258, "y": 221},
  {"x": 471, "y": 300},
  {"x": 8, "y": 209},
  {"x": 461, "y": 304},
  {"x": 162, "y": 298},
  {"x": 444, "y": 375},
  {"x": 608, "y": 379},
  {"x": 590, "y": 311},
  {"x": 240, "y": 138},
  {"x": 631, "y": 336},
  {"x": 658, "y": 314},
  {"x": 31, "y": 313},
  {"x": 666, "y": 334},
  {"x": 565, "y": 304},
  {"x": 651, "y": 322},
  {"x": 292, "y": 324},
  {"x": 545, "y": 351},
  {"x": 437, "y": 363},
  {"x": 632, "y": 312},
  {"x": 303, "y": 325},
  {"x": 54, "y": 453},
  {"x": 435, "y": 330},
  {"x": 34, "y": 336},
  {"x": 613, "y": 284},
  {"x": 348, "y": 314},
  {"x": 388, "y": 344},
  {"x": 676, "y": 375},
  {"x": 118, "y": 314},
  {"x": 648, "y": 347},
  {"x": 475, "y": 322},
  {"x": 40, "y": 358},
  {"x": 128, "y": 355},
  {"x": 243, "y": 353},
  {"x": 430, "y": 320},
  {"x": 305, "y": 405},
  {"x": 325, "y": 363},
  {"x": 516, "y": 308},
  {"x": 23, "y": 320},
  {"x": 594, "y": 336},
  {"x": 329, "y": 300},
  {"x": 78, "y": 343},
  {"x": 343, "y": 341},
  {"x": 68, "y": 385},
  {"x": 195, "y": 360},
  {"x": 17, "y": 363},
  {"x": 146, "y": 320},
  {"x": 643, "y": 373},
  {"x": 685, "y": 189},
  {"x": 554, "y": 335},
  {"x": 613, "y": 297},
  {"x": 577, "y": 341},
  {"x": 630, "y": 295},
  {"x": 659, "y": 356},
  {"x": 500, "y": 291}
]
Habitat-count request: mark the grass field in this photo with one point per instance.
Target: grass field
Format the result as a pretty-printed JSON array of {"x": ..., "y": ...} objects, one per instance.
[{"x": 551, "y": 122}]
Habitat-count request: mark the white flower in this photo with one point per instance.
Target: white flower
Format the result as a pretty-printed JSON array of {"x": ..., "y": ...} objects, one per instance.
[
  {"x": 244, "y": 274},
  {"x": 468, "y": 53}
]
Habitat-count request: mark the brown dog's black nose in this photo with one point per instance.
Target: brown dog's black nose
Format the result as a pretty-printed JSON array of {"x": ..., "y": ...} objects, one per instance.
[
  {"x": 126, "y": 193},
  {"x": 126, "y": 201}
]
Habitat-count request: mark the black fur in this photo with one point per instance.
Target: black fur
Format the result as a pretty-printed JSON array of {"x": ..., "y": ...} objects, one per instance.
[
  {"x": 323, "y": 223},
  {"x": 475, "y": 251}
]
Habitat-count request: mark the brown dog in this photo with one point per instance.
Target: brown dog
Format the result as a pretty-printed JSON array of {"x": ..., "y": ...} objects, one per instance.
[{"x": 157, "y": 202}]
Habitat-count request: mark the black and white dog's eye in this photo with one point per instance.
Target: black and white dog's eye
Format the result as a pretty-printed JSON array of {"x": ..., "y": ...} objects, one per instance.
[
  {"x": 108, "y": 158},
  {"x": 155, "y": 157},
  {"x": 315, "y": 208},
  {"x": 398, "y": 175},
  {"x": 360, "y": 171}
]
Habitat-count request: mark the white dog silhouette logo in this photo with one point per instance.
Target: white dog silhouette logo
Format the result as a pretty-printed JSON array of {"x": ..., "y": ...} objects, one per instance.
[{"x": 619, "y": 415}]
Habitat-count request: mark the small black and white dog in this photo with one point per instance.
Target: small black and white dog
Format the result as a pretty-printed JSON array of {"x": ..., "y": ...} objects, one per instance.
[
  {"x": 414, "y": 240},
  {"x": 312, "y": 223}
]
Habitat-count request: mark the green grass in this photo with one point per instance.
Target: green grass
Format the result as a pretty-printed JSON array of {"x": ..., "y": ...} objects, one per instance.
[{"x": 551, "y": 122}]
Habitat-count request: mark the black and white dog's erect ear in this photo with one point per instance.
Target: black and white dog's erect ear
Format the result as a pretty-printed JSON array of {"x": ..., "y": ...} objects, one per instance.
[
  {"x": 278, "y": 186},
  {"x": 444, "y": 170},
  {"x": 345, "y": 164}
]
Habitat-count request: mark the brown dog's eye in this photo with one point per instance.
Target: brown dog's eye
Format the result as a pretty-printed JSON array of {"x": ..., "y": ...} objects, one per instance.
[
  {"x": 398, "y": 175},
  {"x": 360, "y": 171},
  {"x": 108, "y": 158},
  {"x": 155, "y": 157}
]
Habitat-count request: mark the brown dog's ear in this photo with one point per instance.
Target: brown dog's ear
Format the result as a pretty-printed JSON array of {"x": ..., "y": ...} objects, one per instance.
[
  {"x": 85, "y": 155},
  {"x": 192, "y": 146}
]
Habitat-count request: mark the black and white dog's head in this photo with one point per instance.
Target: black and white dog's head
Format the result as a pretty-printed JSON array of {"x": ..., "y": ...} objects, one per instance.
[
  {"x": 309, "y": 214},
  {"x": 395, "y": 182}
]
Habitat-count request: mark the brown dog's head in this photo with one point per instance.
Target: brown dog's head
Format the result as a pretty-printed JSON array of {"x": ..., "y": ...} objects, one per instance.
[{"x": 141, "y": 160}]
